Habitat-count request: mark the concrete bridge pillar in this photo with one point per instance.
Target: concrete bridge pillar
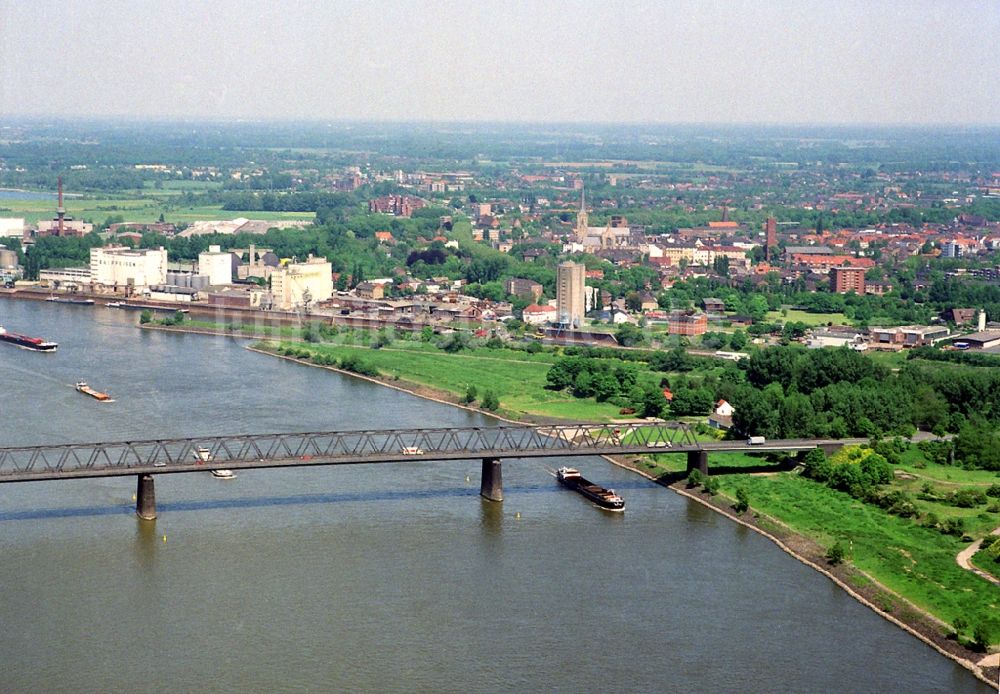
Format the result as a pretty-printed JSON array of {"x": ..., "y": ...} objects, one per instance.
[
  {"x": 491, "y": 486},
  {"x": 145, "y": 498},
  {"x": 698, "y": 460}
]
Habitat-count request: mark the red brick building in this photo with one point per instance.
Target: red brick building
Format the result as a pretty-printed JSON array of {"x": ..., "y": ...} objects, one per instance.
[
  {"x": 397, "y": 205},
  {"x": 689, "y": 324},
  {"x": 847, "y": 279},
  {"x": 771, "y": 227}
]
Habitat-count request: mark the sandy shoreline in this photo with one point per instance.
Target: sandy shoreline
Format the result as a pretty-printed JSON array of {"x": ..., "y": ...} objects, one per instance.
[{"x": 926, "y": 627}]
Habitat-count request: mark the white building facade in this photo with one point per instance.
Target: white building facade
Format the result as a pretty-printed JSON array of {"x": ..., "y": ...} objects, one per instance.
[
  {"x": 300, "y": 285},
  {"x": 119, "y": 268},
  {"x": 216, "y": 265}
]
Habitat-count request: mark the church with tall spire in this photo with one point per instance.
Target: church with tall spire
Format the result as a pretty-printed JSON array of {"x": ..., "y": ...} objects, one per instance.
[
  {"x": 595, "y": 238},
  {"x": 582, "y": 223}
]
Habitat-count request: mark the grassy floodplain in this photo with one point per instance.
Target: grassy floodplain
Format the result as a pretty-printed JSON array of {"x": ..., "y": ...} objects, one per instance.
[{"x": 517, "y": 378}]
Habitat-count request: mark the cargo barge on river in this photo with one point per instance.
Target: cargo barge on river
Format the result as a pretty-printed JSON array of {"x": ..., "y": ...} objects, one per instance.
[
  {"x": 71, "y": 300},
  {"x": 605, "y": 498},
  {"x": 82, "y": 387},
  {"x": 36, "y": 344}
]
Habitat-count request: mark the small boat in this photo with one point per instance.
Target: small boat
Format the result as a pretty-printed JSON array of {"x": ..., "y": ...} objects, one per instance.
[
  {"x": 82, "y": 387},
  {"x": 71, "y": 300},
  {"x": 35, "y": 344},
  {"x": 605, "y": 498},
  {"x": 203, "y": 455}
]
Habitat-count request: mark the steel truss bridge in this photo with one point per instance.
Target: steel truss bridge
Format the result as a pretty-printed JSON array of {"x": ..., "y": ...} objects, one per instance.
[{"x": 491, "y": 444}]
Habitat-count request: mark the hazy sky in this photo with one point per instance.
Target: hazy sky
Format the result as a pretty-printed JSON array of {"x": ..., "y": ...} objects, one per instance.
[{"x": 835, "y": 61}]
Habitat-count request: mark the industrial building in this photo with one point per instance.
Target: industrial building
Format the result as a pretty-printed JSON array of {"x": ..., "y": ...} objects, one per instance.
[
  {"x": 118, "y": 268},
  {"x": 11, "y": 226},
  {"x": 216, "y": 265},
  {"x": 301, "y": 285}
]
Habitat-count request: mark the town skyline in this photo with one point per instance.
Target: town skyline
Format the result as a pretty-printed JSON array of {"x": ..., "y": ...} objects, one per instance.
[{"x": 689, "y": 62}]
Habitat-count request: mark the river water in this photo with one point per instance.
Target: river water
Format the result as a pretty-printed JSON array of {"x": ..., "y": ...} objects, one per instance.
[{"x": 377, "y": 578}]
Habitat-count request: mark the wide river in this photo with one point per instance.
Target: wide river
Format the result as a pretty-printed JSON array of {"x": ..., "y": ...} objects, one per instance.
[{"x": 384, "y": 577}]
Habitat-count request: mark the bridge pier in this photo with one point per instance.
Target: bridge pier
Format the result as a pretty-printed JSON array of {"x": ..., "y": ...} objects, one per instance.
[
  {"x": 491, "y": 486},
  {"x": 830, "y": 448},
  {"x": 698, "y": 460},
  {"x": 145, "y": 498}
]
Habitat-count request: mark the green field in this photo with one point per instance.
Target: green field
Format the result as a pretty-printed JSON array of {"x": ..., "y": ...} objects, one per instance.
[
  {"x": 793, "y": 315},
  {"x": 986, "y": 563},
  {"x": 892, "y": 360},
  {"x": 142, "y": 207},
  {"x": 517, "y": 378}
]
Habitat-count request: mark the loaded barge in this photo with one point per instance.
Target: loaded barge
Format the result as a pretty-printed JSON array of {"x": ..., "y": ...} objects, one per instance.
[
  {"x": 35, "y": 344},
  {"x": 82, "y": 387},
  {"x": 605, "y": 498},
  {"x": 71, "y": 300}
]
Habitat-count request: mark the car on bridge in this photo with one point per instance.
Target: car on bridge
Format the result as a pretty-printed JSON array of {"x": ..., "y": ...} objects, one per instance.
[{"x": 412, "y": 450}]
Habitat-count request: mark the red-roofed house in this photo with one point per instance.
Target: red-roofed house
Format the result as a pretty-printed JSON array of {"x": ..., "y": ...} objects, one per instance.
[{"x": 538, "y": 315}]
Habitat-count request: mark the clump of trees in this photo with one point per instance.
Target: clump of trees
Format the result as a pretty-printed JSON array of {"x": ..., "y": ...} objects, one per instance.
[
  {"x": 791, "y": 392},
  {"x": 862, "y": 473},
  {"x": 606, "y": 381}
]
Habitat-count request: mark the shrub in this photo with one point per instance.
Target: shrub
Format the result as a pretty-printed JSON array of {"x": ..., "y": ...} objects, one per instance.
[
  {"x": 470, "y": 395},
  {"x": 742, "y": 504},
  {"x": 835, "y": 555},
  {"x": 994, "y": 491},
  {"x": 953, "y": 526},
  {"x": 695, "y": 478},
  {"x": 490, "y": 401},
  {"x": 966, "y": 498},
  {"x": 816, "y": 466},
  {"x": 877, "y": 469},
  {"x": 849, "y": 478},
  {"x": 711, "y": 485},
  {"x": 960, "y": 624},
  {"x": 981, "y": 637}
]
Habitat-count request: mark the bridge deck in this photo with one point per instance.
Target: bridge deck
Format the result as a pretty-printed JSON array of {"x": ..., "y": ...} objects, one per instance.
[{"x": 160, "y": 456}]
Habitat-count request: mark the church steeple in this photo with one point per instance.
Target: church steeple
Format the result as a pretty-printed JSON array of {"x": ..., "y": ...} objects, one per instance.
[{"x": 582, "y": 223}]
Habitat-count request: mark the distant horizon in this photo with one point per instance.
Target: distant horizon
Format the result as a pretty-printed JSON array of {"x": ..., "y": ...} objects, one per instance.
[
  {"x": 7, "y": 118},
  {"x": 699, "y": 62}
]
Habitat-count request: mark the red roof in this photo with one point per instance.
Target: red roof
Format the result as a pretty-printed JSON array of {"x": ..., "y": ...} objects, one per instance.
[
  {"x": 535, "y": 308},
  {"x": 831, "y": 260}
]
